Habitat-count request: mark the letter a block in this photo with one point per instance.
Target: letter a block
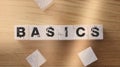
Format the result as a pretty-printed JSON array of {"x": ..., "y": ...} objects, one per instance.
[{"x": 35, "y": 33}]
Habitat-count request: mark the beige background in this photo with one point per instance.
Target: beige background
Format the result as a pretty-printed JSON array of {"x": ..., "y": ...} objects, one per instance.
[{"x": 60, "y": 53}]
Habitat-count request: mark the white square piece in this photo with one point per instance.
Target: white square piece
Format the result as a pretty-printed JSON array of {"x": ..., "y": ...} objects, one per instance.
[
  {"x": 36, "y": 59},
  {"x": 96, "y": 32},
  {"x": 87, "y": 56},
  {"x": 44, "y": 4}
]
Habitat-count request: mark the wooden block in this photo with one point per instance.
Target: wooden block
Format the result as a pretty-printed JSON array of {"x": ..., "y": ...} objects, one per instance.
[
  {"x": 44, "y": 4},
  {"x": 95, "y": 32},
  {"x": 66, "y": 32},
  {"x": 87, "y": 56},
  {"x": 81, "y": 32},
  {"x": 21, "y": 32},
  {"x": 34, "y": 32},
  {"x": 49, "y": 32}
]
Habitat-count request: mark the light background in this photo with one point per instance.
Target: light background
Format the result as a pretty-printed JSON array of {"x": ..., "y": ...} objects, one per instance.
[{"x": 60, "y": 53}]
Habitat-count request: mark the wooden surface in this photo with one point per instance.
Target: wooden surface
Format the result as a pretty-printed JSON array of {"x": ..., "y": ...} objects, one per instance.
[{"x": 60, "y": 53}]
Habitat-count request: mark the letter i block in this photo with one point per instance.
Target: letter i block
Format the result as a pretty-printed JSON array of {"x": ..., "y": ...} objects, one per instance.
[
  {"x": 81, "y": 32},
  {"x": 21, "y": 32},
  {"x": 66, "y": 32},
  {"x": 96, "y": 32}
]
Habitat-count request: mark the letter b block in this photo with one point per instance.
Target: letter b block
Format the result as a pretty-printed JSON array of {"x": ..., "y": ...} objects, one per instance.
[{"x": 21, "y": 32}]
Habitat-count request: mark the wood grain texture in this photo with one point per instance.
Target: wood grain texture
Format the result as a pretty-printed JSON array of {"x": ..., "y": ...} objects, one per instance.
[{"x": 60, "y": 53}]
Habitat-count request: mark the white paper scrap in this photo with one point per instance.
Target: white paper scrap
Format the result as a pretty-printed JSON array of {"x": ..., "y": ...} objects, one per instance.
[
  {"x": 87, "y": 56},
  {"x": 44, "y": 4},
  {"x": 36, "y": 59}
]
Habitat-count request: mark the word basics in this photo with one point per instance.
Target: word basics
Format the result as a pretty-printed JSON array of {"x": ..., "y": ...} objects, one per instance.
[{"x": 58, "y": 32}]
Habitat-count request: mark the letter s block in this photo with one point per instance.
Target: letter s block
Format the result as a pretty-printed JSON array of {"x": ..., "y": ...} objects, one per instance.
[
  {"x": 50, "y": 32},
  {"x": 95, "y": 32},
  {"x": 21, "y": 32}
]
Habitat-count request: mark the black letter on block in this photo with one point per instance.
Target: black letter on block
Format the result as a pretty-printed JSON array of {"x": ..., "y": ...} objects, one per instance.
[
  {"x": 50, "y": 32},
  {"x": 80, "y": 28},
  {"x": 66, "y": 29},
  {"x": 35, "y": 32},
  {"x": 20, "y": 32},
  {"x": 95, "y": 31}
]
